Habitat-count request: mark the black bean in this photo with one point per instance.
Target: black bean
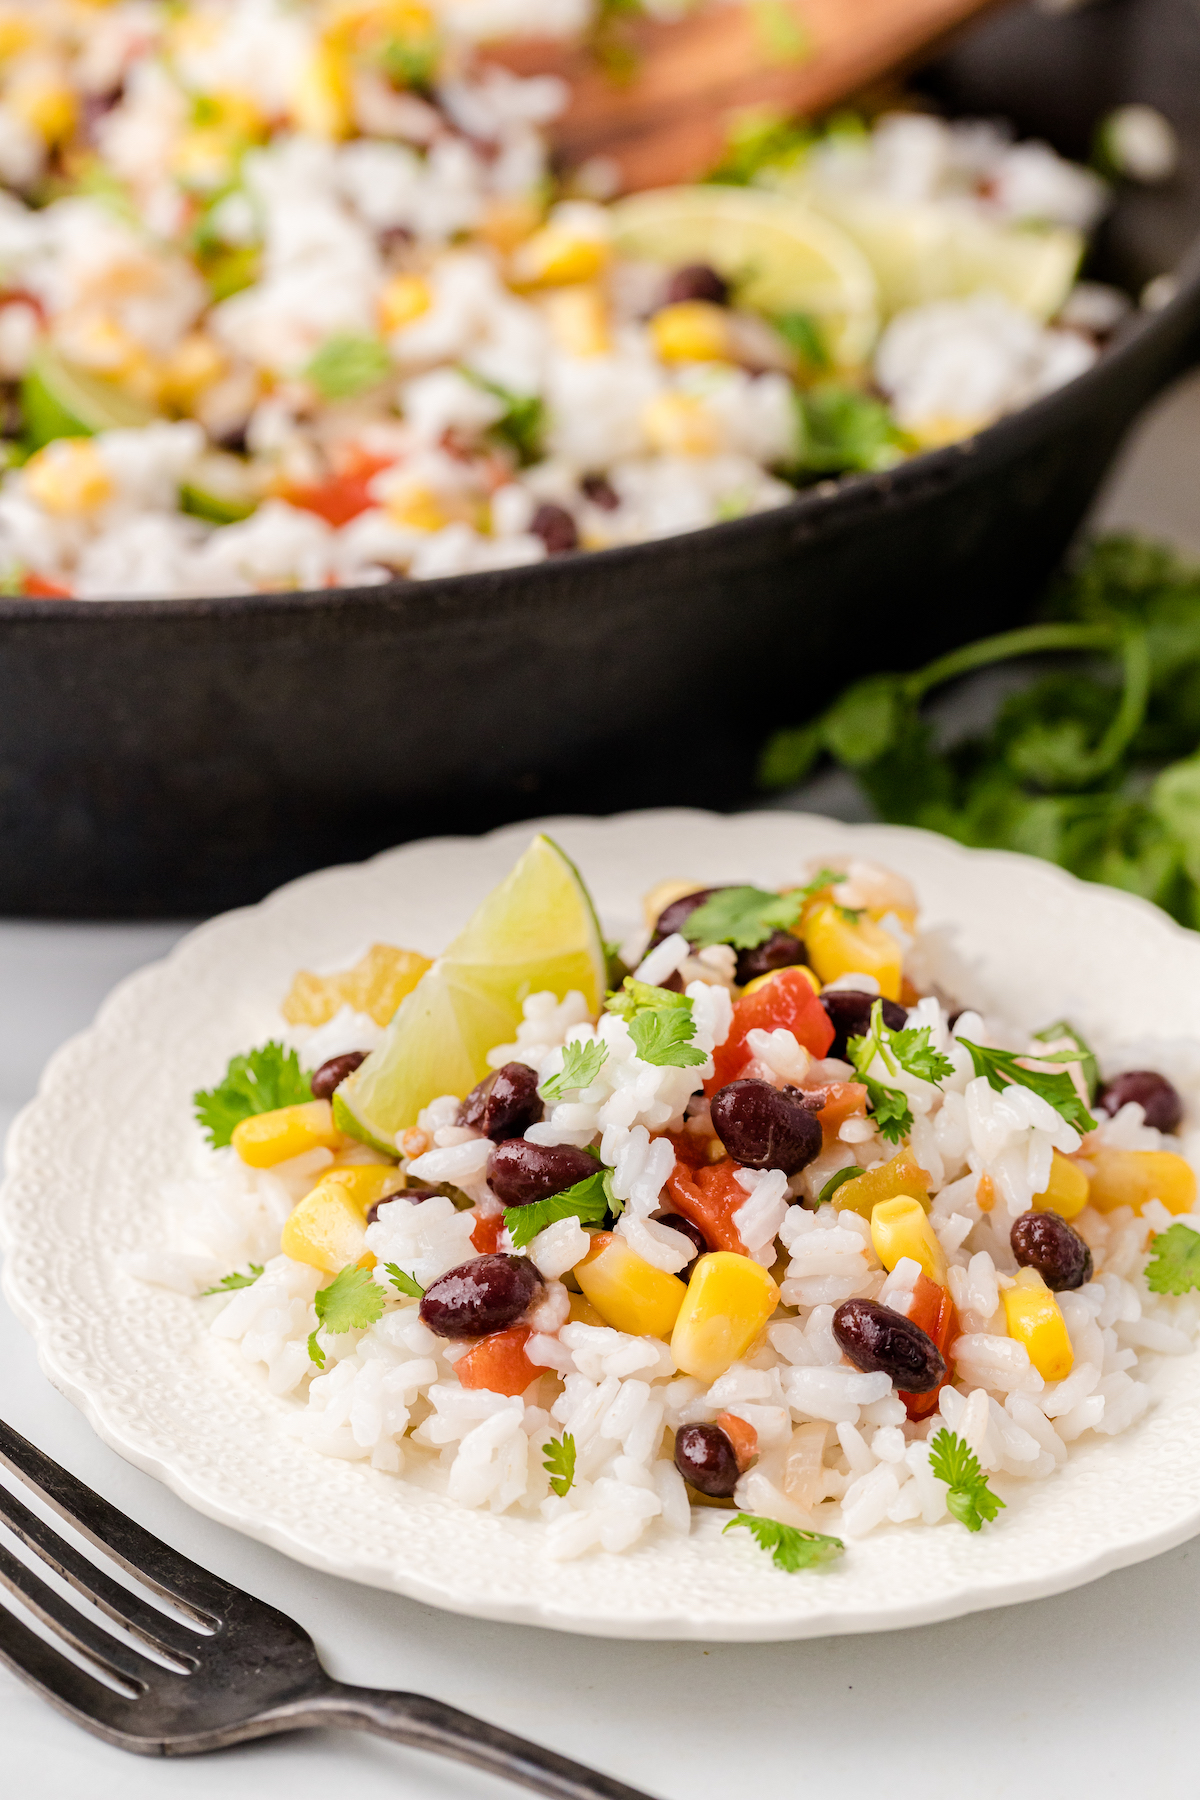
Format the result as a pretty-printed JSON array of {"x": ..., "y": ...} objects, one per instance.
[
  {"x": 601, "y": 492},
  {"x": 780, "y": 951},
  {"x": 674, "y": 917},
  {"x": 1153, "y": 1092},
  {"x": 478, "y": 1297},
  {"x": 520, "y": 1173},
  {"x": 764, "y": 1129},
  {"x": 877, "y": 1339},
  {"x": 697, "y": 281},
  {"x": 413, "y": 1197},
  {"x": 706, "y": 1457},
  {"x": 504, "y": 1104},
  {"x": 693, "y": 1233},
  {"x": 331, "y": 1074},
  {"x": 556, "y": 528},
  {"x": 1043, "y": 1241},
  {"x": 850, "y": 1015}
]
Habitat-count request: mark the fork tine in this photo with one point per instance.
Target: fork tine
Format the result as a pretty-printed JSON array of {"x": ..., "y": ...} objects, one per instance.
[
  {"x": 68, "y": 1623},
  {"x": 59, "y": 1680},
  {"x": 146, "y": 1557},
  {"x": 160, "y": 1630}
]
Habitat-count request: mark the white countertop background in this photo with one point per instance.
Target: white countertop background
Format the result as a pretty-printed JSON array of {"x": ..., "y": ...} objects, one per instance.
[{"x": 1091, "y": 1693}]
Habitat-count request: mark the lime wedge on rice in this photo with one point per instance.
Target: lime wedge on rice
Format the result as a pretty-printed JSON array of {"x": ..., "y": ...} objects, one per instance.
[
  {"x": 536, "y": 931},
  {"x": 777, "y": 254}
]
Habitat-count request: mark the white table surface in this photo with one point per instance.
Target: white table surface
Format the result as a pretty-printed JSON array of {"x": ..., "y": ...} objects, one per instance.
[{"x": 1091, "y": 1692}]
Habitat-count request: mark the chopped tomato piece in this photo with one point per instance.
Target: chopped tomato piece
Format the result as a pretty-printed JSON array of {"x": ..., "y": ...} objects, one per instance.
[
  {"x": 692, "y": 1149},
  {"x": 36, "y": 587},
  {"x": 341, "y": 496},
  {"x": 933, "y": 1310},
  {"x": 709, "y": 1197},
  {"x": 742, "y": 1436},
  {"x": 840, "y": 1100},
  {"x": 485, "y": 1234},
  {"x": 499, "y": 1362},
  {"x": 785, "y": 1003}
]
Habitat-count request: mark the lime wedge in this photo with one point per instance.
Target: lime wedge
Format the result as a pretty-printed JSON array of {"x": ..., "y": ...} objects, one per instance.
[
  {"x": 536, "y": 931},
  {"x": 922, "y": 252},
  {"x": 778, "y": 255},
  {"x": 61, "y": 400}
]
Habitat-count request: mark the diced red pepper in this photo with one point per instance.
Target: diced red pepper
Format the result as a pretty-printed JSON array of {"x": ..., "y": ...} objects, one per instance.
[
  {"x": 709, "y": 1197},
  {"x": 742, "y": 1436},
  {"x": 499, "y": 1362},
  {"x": 840, "y": 1100},
  {"x": 485, "y": 1233},
  {"x": 36, "y": 587},
  {"x": 933, "y": 1310},
  {"x": 786, "y": 1002},
  {"x": 341, "y": 496},
  {"x": 691, "y": 1148}
]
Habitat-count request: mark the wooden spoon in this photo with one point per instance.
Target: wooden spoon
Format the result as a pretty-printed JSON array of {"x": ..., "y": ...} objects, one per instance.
[{"x": 669, "y": 122}]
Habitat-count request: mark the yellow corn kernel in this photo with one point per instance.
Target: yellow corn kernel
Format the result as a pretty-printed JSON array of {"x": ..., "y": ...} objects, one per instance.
[
  {"x": 46, "y": 104},
  {"x": 691, "y": 331},
  {"x": 321, "y": 97},
  {"x": 680, "y": 425},
  {"x": 759, "y": 981},
  {"x": 16, "y": 34},
  {"x": 1066, "y": 1192},
  {"x": 363, "y": 1183},
  {"x": 404, "y": 298},
  {"x": 195, "y": 364},
  {"x": 583, "y": 1312},
  {"x": 203, "y": 157},
  {"x": 265, "y": 1139},
  {"x": 628, "y": 1293},
  {"x": 1132, "y": 1177},
  {"x": 1034, "y": 1319},
  {"x": 418, "y": 507},
  {"x": 376, "y": 985},
  {"x": 555, "y": 255},
  {"x": 326, "y": 1229},
  {"x": 899, "y": 1228},
  {"x": 726, "y": 1304},
  {"x": 903, "y": 1175},
  {"x": 839, "y": 945},
  {"x": 68, "y": 477},
  {"x": 946, "y": 428},
  {"x": 578, "y": 320},
  {"x": 664, "y": 894},
  {"x": 507, "y": 221}
]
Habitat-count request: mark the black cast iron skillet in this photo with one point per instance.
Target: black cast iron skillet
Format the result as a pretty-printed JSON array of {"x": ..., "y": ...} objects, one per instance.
[{"x": 175, "y": 757}]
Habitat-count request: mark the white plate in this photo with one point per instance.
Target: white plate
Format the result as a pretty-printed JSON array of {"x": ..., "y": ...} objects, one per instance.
[{"x": 112, "y": 1121}]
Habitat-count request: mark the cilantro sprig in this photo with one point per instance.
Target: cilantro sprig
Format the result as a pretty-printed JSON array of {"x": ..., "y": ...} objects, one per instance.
[
  {"x": 589, "y": 1200},
  {"x": 403, "y": 1282},
  {"x": 909, "y": 1049},
  {"x": 1086, "y": 1057},
  {"x": 747, "y": 916},
  {"x": 582, "y": 1062},
  {"x": 1174, "y": 1266},
  {"x": 559, "y": 1463},
  {"x": 970, "y": 1499},
  {"x": 791, "y": 1549},
  {"x": 660, "y": 1023},
  {"x": 1003, "y": 1069},
  {"x": 228, "y": 1283},
  {"x": 352, "y": 1301},
  {"x": 258, "y": 1082}
]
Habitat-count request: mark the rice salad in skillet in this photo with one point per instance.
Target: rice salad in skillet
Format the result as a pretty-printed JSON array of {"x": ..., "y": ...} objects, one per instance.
[
  {"x": 745, "y": 1213},
  {"x": 291, "y": 296}
]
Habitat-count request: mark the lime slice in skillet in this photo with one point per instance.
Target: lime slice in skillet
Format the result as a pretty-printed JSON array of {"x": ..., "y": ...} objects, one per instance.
[{"x": 536, "y": 931}]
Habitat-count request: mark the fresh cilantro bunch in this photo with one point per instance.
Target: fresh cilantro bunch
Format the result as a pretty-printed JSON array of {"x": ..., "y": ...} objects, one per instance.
[
  {"x": 970, "y": 1499},
  {"x": 582, "y": 1062},
  {"x": 590, "y": 1201},
  {"x": 259, "y": 1082},
  {"x": 909, "y": 1049},
  {"x": 1003, "y": 1069},
  {"x": 559, "y": 1463},
  {"x": 747, "y": 916},
  {"x": 1094, "y": 765},
  {"x": 660, "y": 1024},
  {"x": 1174, "y": 1266},
  {"x": 791, "y": 1549},
  {"x": 351, "y": 1302}
]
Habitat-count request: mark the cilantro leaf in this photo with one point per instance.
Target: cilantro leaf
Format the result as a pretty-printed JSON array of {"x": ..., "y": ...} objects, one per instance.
[
  {"x": 1002, "y": 1069},
  {"x": 1174, "y": 1266},
  {"x": 835, "y": 1182},
  {"x": 259, "y": 1082},
  {"x": 664, "y": 1037},
  {"x": 917, "y": 1056},
  {"x": 559, "y": 1463},
  {"x": 404, "y": 1283},
  {"x": 953, "y": 1461},
  {"x": 893, "y": 1115},
  {"x": 1086, "y": 1058},
  {"x": 746, "y": 916},
  {"x": 582, "y": 1062},
  {"x": 589, "y": 1201},
  {"x": 890, "y": 1109},
  {"x": 228, "y": 1283},
  {"x": 347, "y": 364},
  {"x": 634, "y": 996},
  {"x": 352, "y": 1301},
  {"x": 522, "y": 424},
  {"x": 791, "y": 1549}
]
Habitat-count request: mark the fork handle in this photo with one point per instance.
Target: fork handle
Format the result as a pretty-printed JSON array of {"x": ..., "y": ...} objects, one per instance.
[{"x": 432, "y": 1725}]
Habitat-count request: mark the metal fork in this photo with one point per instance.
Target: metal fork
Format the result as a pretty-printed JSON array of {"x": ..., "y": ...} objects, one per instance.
[{"x": 247, "y": 1672}]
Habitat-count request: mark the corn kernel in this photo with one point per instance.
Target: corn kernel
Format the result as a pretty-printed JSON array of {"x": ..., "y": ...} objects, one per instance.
[
  {"x": 680, "y": 425},
  {"x": 691, "y": 331},
  {"x": 327, "y": 1229},
  {"x": 16, "y": 34},
  {"x": 578, "y": 320},
  {"x": 555, "y": 255},
  {"x": 946, "y": 428},
  {"x": 626, "y": 1291},
  {"x": 1035, "y": 1320},
  {"x": 899, "y": 1228},
  {"x": 838, "y": 945},
  {"x": 320, "y": 99},
  {"x": 902, "y": 1175},
  {"x": 68, "y": 477},
  {"x": 583, "y": 1312},
  {"x": 194, "y": 365},
  {"x": 364, "y": 1183},
  {"x": 376, "y": 985},
  {"x": 664, "y": 894},
  {"x": 726, "y": 1304},
  {"x": 265, "y": 1139},
  {"x": 404, "y": 298},
  {"x": 46, "y": 104},
  {"x": 759, "y": 981},
  {"x": 1066, "y": 1192},
  {"x": 508, "y": 220},
  {"x": 1132, "y": 1177}
]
